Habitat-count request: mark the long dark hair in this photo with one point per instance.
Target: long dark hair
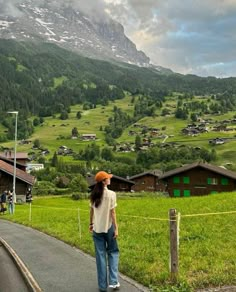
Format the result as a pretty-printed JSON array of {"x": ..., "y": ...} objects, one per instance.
[{"x": 97, "y": 194}]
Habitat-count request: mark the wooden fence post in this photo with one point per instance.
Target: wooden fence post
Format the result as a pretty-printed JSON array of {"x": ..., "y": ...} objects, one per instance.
[{"x": 174, "y": 258}]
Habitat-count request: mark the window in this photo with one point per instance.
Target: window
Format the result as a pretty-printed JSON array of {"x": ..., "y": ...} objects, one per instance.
[
  {"x": 212, "y": 181},
  {"x": 186, "y": 193},
  {"x": 176, "y": 193},
  {"x": 224, "y": 181},
  {"x": 186, "y": 180},
  {"x": 176, "y": 180}
]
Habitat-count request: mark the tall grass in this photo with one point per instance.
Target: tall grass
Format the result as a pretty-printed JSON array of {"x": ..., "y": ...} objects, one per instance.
[{"x": 207, "y": 242}]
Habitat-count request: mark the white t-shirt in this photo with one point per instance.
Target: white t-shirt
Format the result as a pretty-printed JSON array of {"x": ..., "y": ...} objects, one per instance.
[{"x": 102, "y": 214}]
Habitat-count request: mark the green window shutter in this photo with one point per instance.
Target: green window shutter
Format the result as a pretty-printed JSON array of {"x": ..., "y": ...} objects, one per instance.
[
  {"x": 176, "y": 193},
  {"x": 186, "y": 193},
  {"x": 186, "y": 180},
  {"x": 213, "y": 192},
  {"x": 209, "y": 181},
  {"x": 176, "y": 180},
  {"x": 224, "y": 181}
]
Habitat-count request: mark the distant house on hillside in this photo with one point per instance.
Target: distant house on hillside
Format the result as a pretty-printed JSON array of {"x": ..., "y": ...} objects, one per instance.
[
  {"x": 88, "y": 137},
  {"x": 217, "y": 141},
  {"x": 118, "y": 184},
  {"x": 198, "y": 179},
  {"x": 147, "y": 181},
  {"x": 34, "y": 167}
]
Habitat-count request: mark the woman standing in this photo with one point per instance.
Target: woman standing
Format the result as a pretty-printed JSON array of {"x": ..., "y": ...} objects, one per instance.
[
  {"x": 10, "y": 202},
  {"x": 104, "y": 226}
]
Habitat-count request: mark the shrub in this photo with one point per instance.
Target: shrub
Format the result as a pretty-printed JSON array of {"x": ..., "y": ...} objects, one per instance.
[{"x": 76, "y": 197}]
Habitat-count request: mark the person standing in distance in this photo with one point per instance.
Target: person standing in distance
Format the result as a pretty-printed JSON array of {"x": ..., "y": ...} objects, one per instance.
[
  {"x": 104, "y": 227},
  {"x": 10, "y": 202}
]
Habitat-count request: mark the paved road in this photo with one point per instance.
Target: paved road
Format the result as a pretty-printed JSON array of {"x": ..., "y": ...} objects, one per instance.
[
  {"x": 56, "y": 266},
  {"x": 11, "y": 278}
]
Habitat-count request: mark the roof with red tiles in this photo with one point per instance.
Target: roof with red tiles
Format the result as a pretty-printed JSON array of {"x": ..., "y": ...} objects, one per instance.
[{"x": 20, "y": 174}]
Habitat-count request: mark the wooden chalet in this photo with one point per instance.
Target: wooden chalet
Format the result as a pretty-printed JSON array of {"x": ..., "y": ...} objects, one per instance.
[
  {"x": 21, "y": 157},
  {"x": 118, "y": 184},
  {"x": 148, "y": 181},
  {"x": 11, "y": 162},
  {"x": 23, "y": 179},
  {"x": 198, "y": 179}
]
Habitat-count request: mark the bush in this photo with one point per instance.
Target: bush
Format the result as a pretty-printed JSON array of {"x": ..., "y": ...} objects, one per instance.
[
  {"x": 76, "y": 197},
  {"x": 78, "y": 183}
]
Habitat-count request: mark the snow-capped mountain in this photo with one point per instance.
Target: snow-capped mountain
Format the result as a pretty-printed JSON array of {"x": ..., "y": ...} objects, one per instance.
[{"x": 69, "y": 27}]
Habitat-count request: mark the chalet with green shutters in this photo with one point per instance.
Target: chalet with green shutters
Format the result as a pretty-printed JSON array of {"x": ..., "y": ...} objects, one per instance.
[{"x": 198, "y": 179}]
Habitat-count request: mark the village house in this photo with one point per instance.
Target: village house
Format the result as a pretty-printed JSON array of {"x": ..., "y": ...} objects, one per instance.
[
  {"x": 88, "y": 137},
  {"x": 34, "y": 167},
  {"x": 64, "y": 150},
  {"x": 11, "y": 162},
  {"x": 198, "y": 179},
  {"x": 217, "y": 141},
  {"x": 24, "y": 181},
  {"x": 21, "y": 157},
  {"x": 118, "y": 184},
  {"x": 147, "y": 181}
]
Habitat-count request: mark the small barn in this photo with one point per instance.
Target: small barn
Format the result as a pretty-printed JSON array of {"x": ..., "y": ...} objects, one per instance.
[
  {"x": 148, "y": 181},
  {"x": 118, "y": 184},
  {"x": 198, "y": 179}
]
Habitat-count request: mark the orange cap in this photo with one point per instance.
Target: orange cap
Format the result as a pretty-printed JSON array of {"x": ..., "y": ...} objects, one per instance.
[{"x": 101, "y": 175}]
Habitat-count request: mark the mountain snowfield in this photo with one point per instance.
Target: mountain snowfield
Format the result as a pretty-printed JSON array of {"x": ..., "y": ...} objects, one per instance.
[{"x": 100, "y": 38}]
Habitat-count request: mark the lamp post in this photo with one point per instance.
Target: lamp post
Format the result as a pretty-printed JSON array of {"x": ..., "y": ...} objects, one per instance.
[{"x": 14, "y": 173}]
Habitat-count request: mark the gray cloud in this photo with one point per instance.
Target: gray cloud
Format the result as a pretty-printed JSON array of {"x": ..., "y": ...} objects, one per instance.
[
  {"x": 9, "y": 8},
  {"x": 95, "y": 8}
]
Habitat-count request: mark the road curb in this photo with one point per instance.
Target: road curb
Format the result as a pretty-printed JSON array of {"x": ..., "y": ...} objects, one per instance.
[{"x": 29, "y": 279}]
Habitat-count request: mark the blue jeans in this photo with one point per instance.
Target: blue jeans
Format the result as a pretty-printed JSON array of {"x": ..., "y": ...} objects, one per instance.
[
  {"x": 106, "y": 246},
  {"x": 11, "y": 208}
]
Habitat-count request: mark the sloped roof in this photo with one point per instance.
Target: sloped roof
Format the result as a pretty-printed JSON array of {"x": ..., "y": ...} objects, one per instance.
[
  {"x": 91, "y": 180},
  {"x": 207, "y": 166},
  {"x": 155, "y": 173},
  {"x": 11, "y": 161},
  {"x": 11, "y": 154},
  {"x": 20, "y": 174}
]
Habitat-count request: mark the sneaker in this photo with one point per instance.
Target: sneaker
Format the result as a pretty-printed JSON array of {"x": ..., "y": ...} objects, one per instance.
[{"x": 115, "y": 286}]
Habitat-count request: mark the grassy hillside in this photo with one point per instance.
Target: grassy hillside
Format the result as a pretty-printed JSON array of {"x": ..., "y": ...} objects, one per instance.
[
  {"x": 53, "y": 127},
  {"x": 39, "y": 79},
  {"x": 56, "y": 132},
  {"x": 207, "y": 236}
]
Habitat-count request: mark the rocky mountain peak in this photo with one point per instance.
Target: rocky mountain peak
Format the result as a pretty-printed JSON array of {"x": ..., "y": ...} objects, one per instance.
[{"x": 97, "y": 37}]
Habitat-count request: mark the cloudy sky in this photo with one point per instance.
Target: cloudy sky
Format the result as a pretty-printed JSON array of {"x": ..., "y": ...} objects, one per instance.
[{"x": 187, "y": 36}]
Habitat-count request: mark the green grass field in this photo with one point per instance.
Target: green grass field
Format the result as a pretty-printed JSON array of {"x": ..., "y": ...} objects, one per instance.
[{"x": 207, "y": 241}]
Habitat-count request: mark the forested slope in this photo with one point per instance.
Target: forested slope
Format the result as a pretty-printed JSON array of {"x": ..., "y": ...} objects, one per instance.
[{"x": 43, "y": 79}]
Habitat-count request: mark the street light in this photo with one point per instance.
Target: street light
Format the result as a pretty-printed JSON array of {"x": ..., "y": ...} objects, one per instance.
[{"x": 14, "y": 174}]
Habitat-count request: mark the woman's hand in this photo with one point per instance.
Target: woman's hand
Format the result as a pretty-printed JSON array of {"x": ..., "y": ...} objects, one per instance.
[
  {"x": 91, "y": 228},
  {"x": 116, "y": 233}
]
